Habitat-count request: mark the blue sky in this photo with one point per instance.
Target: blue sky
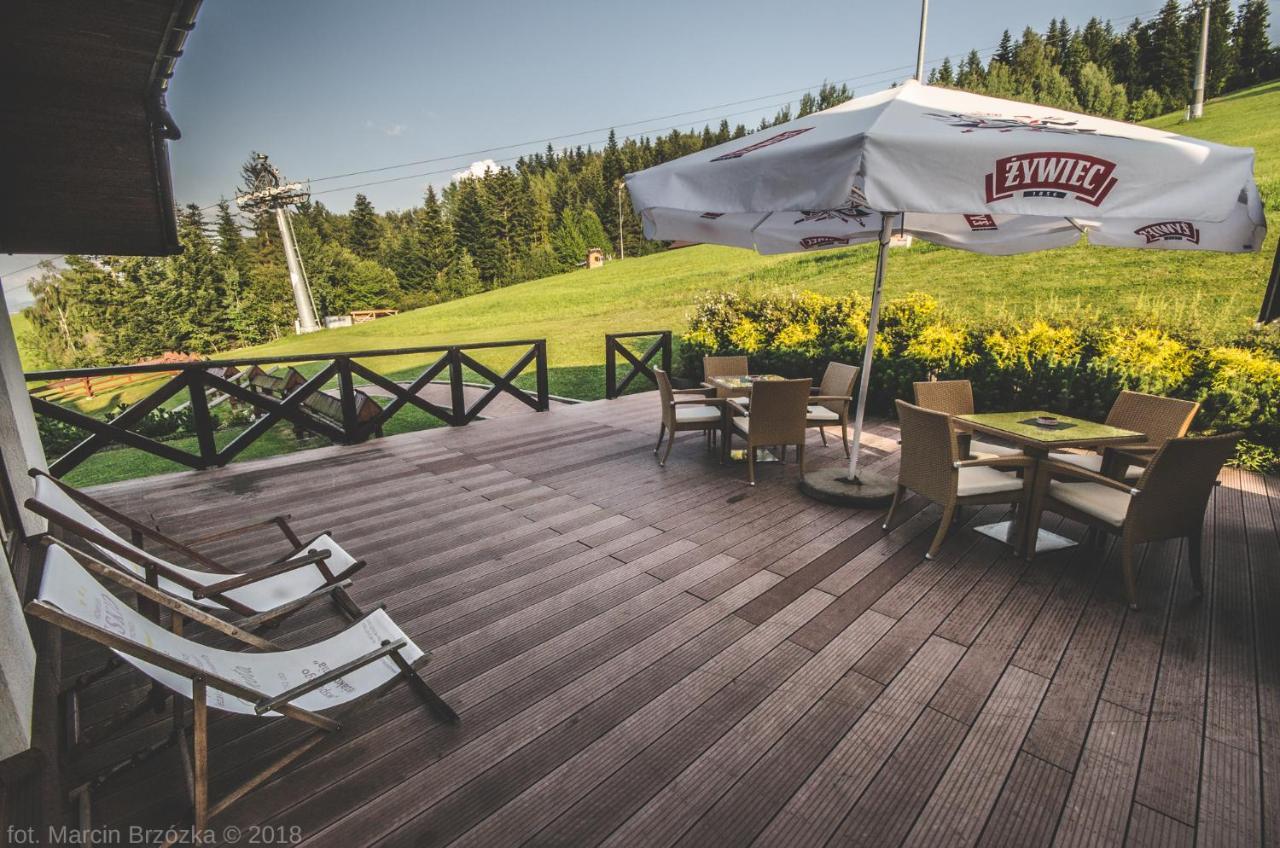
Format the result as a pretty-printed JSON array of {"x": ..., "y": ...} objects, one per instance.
[{"x": 328, "y": 87}]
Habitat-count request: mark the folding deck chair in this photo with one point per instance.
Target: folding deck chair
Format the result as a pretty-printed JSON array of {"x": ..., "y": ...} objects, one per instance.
[
  {"x": 262, "y": 597},
  {"x": 365, "y": 659}
]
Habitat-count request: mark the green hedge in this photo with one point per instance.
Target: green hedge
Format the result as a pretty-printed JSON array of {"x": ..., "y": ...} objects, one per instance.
[{"x": 1067, "y": 367}]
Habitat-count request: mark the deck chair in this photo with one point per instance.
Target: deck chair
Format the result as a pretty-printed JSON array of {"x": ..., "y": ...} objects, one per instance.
[
  {"x": 365, "y": 659},
  {"x": 307, "y": 572}
]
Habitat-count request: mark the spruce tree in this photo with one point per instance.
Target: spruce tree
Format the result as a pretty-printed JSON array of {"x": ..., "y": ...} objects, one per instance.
[
  {"x": 1004, "y": 53},
  {"x": 365, "y": 237},
  {"x": 1166, "y": 62},
  {"x": 1254, "y": 57},
  {"x": 1220, "y": 60}
]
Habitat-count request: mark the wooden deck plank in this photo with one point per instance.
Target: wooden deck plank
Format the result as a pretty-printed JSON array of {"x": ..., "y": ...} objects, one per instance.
[
  {"x": 1026, "y": 813},
  {"x": 1230, "y": 810},
  {"x": 744, "y": 810},
  {"x": 678, "y": 806},
  {"x": 821, "y": 803},
  {"x": 1098, "y": 806},
  {"x": 886, "y": 811},
  {"x": 958, "y": 809}
]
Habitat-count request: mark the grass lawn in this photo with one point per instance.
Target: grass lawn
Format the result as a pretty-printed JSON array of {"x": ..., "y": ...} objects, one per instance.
[{"x": 1216, "y": 293}]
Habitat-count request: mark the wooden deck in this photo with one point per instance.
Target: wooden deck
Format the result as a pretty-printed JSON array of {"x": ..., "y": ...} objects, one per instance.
[{"x": 646, "y": 656}]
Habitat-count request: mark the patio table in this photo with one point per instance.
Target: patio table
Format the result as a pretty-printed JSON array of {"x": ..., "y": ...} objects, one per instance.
[{"x": 1036, "y": 441}]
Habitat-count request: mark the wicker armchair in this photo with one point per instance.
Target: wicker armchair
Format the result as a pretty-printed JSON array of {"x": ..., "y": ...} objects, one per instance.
[
  {"x": 1158, "y": 418},
  {"x": 724, "y": 366},
  {"x": 694, "y": 409},
  {"x": 829, "y": 402},
  {"x": 778, "y": 411},
  {"x": 955, "y": 397},
  {"x": 1167, "y": 502},
  {"x": 931, "y": 466}
]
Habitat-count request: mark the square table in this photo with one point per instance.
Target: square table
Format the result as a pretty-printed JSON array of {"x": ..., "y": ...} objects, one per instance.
[{"x": 1036, "y": 441}]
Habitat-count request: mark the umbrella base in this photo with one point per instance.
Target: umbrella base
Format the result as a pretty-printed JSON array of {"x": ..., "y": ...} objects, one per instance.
[{"x": 832, "y": 485}]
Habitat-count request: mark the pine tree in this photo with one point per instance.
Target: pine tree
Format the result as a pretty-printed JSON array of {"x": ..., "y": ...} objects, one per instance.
[
  {"x": 972, "y": 76},
  {"x": 1004, "y": 53},
  {"x": 1255, "y": 59},
  {"x": 946, "y": 76},
  {"x": 1165, "y": 59},
  {"x": 1097, "y": 38},
  {"x": 365, "y": 238},
  {"x": 1220, "y": 60}
]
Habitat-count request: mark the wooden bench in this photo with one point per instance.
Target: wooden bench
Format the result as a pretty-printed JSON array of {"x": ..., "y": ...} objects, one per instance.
[{"x": 320, "y": 405}]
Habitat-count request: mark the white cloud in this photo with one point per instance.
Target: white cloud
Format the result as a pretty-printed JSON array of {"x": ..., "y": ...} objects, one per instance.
[
  {"x": 386, "y": 129},
  {"x": 476, "y": 169}
]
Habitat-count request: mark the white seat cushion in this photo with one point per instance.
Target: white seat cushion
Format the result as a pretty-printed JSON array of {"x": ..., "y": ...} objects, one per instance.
[
  {"x": 1093, "y": 462},
  {"x": 1110, "y": 505},
  {"x": 689, "y": 413},
  {"x": 821, "y": 413},
  {"x": 981, "y": 480},
  {"x": 978, "y": 448}
]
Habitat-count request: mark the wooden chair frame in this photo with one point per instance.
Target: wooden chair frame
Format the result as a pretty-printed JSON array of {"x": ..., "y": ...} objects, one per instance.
[
  {"x": 195, "y": 754},
  {"x": 335, "y": 587}
]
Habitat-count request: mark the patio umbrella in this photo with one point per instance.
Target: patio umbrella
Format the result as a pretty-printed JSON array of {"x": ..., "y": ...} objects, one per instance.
[{"x": 957, "y": 169}]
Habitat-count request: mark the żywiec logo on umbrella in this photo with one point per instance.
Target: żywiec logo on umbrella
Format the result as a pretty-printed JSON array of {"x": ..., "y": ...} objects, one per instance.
[
  {"x": 977, "y": 223},
  {"x": 1170, "y": 231},
  {"x": 810, "y": 242},
  {"x": 771, "y": 140},
  {"x": 1052, "y": 174}
]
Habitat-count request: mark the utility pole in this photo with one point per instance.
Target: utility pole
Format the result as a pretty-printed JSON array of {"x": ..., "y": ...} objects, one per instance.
[
  {"x": 924, "y": 21},
  {"x": 270, "y": 193},
  {"x": 622, "y": 248},
  {"x": 1197, "y": 107}
]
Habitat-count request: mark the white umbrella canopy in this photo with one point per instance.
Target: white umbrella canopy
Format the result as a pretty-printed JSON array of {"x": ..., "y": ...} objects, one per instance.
[{"x": 958, "y": 169}]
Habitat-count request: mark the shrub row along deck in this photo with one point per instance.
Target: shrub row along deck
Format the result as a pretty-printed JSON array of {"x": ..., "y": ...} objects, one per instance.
[{"x": 647, "y": 656}]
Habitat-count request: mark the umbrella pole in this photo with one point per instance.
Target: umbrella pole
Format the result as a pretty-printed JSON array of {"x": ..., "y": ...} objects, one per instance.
[
  {"x": 873, "y": 321},
  {"x": 851, "y": 488}
]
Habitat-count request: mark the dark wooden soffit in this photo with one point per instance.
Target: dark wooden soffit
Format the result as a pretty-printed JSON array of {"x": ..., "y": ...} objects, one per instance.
[{"x": 83, "y": 162}]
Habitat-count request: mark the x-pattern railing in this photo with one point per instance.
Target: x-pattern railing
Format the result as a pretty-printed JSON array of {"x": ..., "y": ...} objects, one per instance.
[
  {"x": 197, "y": 379},
  {"x": 613, "y": 347}
]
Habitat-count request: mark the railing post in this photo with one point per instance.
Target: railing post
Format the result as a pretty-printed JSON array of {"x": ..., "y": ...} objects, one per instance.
[
  {"x": 347, "y": 395},
  {"x": 544, "y": 391},
  {"x": 456, "y": 389},
  {"x": 666, "y": 351},
  {"x": 610, "y": 368},
  {"x": 201, "y": 418}
]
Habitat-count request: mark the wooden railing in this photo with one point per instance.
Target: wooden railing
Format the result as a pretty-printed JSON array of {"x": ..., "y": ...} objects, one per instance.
[
  {"x": 342, "y": 416},
  {"x": 641, "y": 365}
]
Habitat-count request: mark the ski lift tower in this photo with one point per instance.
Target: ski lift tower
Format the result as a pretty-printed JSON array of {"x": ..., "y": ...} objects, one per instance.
[{"x": 271, "y": 193}]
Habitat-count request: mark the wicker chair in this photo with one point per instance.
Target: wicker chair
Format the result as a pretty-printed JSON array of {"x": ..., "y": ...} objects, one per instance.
[
  {"x": 693, "y": 410},
  {"x": 724, "y": 366},
  {"x": 1167, "y": 502},
  {"x": 829, "y": 402},
  {"x": 955, "y": 397},
  {"x": 931, "y": 466},
  {"x": 1159, "y": 418},
  {"x": 778, "y": 412}
]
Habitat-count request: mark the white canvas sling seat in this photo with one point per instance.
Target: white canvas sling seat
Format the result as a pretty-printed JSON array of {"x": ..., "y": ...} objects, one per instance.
[
  {"x": 299, "y": 683},
  {"x": 309, "y": 571}
]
